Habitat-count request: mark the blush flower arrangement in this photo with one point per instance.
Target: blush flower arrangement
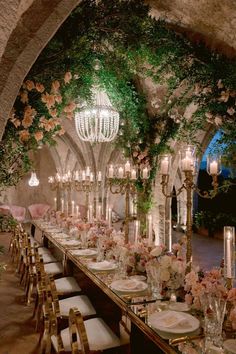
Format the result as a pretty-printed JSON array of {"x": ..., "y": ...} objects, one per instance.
[
  {"x": 171, "y": 265},
  {"x": 137, "y": 257},
  {"x": 232, "y": 313},
  {"x": 198, "y": 284}
]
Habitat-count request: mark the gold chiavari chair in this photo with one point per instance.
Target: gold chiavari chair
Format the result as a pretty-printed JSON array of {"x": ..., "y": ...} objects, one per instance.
[
  {"x": 64, "y": 286},
  {"x": 14, "y": 242},
  {"x": 87, "y": 336}
]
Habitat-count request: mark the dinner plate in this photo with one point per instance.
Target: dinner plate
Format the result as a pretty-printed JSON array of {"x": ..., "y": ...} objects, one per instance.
[
  {"x": 230, "y": 346},
  {"x": 173, "y": 322},
  {"x": 129, "y": 285},
  {"x": 84, "y": 252},
  {"x": 138, "y": 277},
  {"x": 70, "y": 242},
  {"x": 104, "y": 265},
  {"x": 179, "y": 306},
  {"x": 62, "y": 236},
  {"x": 53, "y": 230}
]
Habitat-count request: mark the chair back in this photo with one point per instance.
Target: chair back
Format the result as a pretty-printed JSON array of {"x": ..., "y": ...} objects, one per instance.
[
  {"x": 18, "y": 212},
  {"x": 77, "y": 329},
  {"x": 38, "y": 211},
  {"x": 5, "y": 210}
]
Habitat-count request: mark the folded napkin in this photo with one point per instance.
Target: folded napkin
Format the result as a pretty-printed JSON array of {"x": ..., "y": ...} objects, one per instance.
[
  {"x": 102, "y": 265},
  {"x": 84, "y": 252},
  {"x": 70, "y": 242},
  {"x": 171, "y": 319},
  {"x": 128, "y": 285}
]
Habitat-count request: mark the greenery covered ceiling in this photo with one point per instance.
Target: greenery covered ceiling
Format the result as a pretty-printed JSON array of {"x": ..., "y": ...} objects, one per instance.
[{"x": 197, "y": 86}]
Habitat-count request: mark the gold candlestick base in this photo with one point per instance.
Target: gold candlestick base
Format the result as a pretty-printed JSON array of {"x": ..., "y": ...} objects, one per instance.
[{"x": 229, "y": 283}]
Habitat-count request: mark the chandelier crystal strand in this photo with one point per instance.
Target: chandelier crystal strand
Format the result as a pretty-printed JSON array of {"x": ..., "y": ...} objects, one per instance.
[{"x": 99, "y": 122}]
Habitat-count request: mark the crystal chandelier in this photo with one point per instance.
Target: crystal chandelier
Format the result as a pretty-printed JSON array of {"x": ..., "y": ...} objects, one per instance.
[
  {"x": 98, "y": 122},
  {"x": 33, "y": 181}
]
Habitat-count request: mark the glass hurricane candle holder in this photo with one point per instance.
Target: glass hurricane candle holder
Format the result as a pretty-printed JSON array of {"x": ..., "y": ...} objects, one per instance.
[
  {"x": 188, "y": 158},
  {"x": 213, "y": 164},
  {"x": 165, "y": 162},
  {"x": 229, "y": 252}
]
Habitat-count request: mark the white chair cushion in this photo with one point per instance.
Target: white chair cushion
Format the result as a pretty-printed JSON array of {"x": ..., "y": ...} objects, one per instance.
[
  {"x": 81, "y": 302},
  {"x": 33, "y": 241},
  {"x": 53, "y": 268},
  {"x": 48, "y": 258},
  {"x": 66, "y": 285},
  {"x": 100, "y": 336},
  {"x": 43, "y": 250}
]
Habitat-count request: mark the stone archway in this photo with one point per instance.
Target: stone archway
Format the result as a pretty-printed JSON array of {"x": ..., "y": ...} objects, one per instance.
[{"x": 29, "y": 27}]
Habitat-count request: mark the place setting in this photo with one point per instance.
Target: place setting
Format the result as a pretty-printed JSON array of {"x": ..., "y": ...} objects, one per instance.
[
  {"x": 170, "y": 324},
  {"x": 129, "y": 285},
  {"x": 87, "y": 252},
  {"x": 102, "y": 265}
]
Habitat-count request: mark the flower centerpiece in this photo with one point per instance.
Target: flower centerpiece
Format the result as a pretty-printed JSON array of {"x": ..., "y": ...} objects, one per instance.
[
  {"x": 206, "y": 291},
  {"x": 171, "y": 266},
  {"x": 200, "y": 284},
  {"x": 137, "y": 257}
]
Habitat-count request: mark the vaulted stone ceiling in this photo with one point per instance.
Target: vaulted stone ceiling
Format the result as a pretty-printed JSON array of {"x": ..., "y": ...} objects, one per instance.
[
  {"x": 27, "y": 26},
  {"x": 214, "y": 21}
]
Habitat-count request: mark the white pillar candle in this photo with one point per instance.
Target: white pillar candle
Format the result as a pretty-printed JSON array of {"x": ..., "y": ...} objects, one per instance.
[
  {"x": 91, "y": 177},
  {"x": 55, "y": 203},
  {"x": 111, "y": 171},
  {"x": 62, "y": 205},
  {"x": 127, "y": 167},
  {"x": 131, "y": 206},
  {"x": 87, "y": 171},
  {"x": 83, "y": 176},
  {"x": 213, "y": 168},
  {"x": 77, "y": 210},
  {"x": 229, "y": 252},
  {"x": 109, "y": 217},
  {"x": 73, "y": 207},
  {"x": 133, "y": 174},
  {"x": 67, "y": 208},
  {"x": 120, "y": 172},
  {"x": 187, "y": 164},
  {"x": 76, "y": 175},
  {"x": 99, "y": 176},
  {"x": 149, "y": 229},
  {"x": 99, "y": 212},
  {"x": 136, "y": 231},
  {"x": 145, "y": 173},
  {"x": 90, "y": 213},
  {"x": 164, "y": 166}
]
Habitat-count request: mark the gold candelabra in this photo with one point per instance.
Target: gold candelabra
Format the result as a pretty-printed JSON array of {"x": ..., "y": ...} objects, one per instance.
[
  {"x": 86, "y": 182},
  {"x": 122, "y": 180},
  {"x": 188, "y": 166},
  {"x": 62, "y": 182}
]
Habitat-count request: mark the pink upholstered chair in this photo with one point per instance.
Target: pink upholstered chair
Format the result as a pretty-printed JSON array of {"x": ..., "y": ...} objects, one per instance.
[
  {"x": 5, "y": 210},
  {"x": 37, "y": 211},
  {"x": 18, "y": 212}
]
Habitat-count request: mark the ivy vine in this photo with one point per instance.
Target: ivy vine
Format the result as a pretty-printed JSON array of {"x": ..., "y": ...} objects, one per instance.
[{"x": 198, "y": 87}]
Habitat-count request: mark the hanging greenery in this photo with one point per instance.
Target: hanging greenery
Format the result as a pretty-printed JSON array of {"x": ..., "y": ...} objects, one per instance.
[{"x": 194, "y": 86}]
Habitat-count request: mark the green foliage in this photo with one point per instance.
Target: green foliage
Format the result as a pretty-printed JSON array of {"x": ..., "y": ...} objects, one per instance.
[
  {"x": 131, "y": 46},
  {"x": 213, "y": 222},
  {"x": 14, "y": 162},
  {"x": 7, "y": 223}
]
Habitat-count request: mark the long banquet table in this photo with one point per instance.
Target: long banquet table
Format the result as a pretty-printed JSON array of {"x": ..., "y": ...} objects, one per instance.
[{"x": 135, "y": 307}]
